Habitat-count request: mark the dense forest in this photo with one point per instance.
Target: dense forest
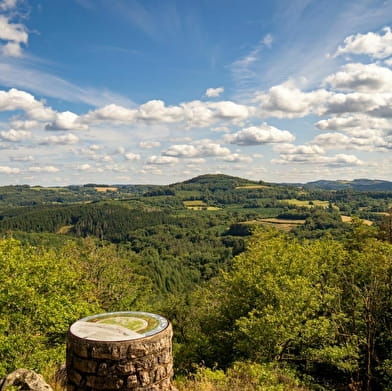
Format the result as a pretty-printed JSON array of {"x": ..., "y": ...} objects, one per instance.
[{"x": 268, "y": 286}]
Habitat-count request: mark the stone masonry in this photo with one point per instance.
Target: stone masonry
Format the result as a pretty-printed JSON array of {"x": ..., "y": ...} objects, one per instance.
[{"x": 142, "y": 364}]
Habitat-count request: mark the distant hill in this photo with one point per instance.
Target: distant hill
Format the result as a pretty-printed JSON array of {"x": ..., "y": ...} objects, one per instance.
[
  {"x": 219, "y": 181},
  {"x": 356, "y": 184}
]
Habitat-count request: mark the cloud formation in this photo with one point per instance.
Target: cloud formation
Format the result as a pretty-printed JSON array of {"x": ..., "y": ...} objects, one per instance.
[
  {"x": 214, "y": 92},
  {"x": 361, "y": 78},
  {"x": 66, "y": 139},
  {"x": 15, "y": 135},
  {"x": 13, "y": 34},
  {"x": 375, "y": 45},
  {"x": 262, "y": 134}
]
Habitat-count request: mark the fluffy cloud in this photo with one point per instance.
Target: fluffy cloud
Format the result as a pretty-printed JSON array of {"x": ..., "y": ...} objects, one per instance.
[
  {"x": 237, "y": 158},
  {"x": 15, "y": 135},
  {"x": 333, "y": 161},
  {"x": 20, "y": 100},
  {"x": 262, "y": 134},
  {"x": 194, "y": 113},
  {"x": 214, "y": 92},
  {"x": 24, "y": 124},
  {"x": 84, "y": 167},
  {"x": 6, "y": 5},
  {"x": 149, "y": 144},
  {"x": 161, "y": 160},
  {"x": 132, "y": 156},
  {"x": 27, "y": 158},
  {"x": 371, "y": 142},
  {"x": 291, "y": 149},
  {"x": 66, "y": 121},
  {"x": 67, "y": 139},
  {"x": 201, "y": 148},
  {"x": 356, "y": 102},
  {"x": 9, "y": 170},
  {"x": 48, "y": 169},
  {"x": 288, "y": 101},
  {"x": 361, "y": 78},
  {"x": 13, "y": 33},
  {"x": 372, "y": 44},
  {"x": 354, "y": 124}
]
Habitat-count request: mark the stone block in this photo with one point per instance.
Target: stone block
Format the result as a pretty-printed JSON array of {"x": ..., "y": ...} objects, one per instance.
[{"x": 83, "y": 365}]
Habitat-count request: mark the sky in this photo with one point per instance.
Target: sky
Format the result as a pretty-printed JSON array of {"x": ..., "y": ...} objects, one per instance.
[{"x": 160, "y": 91}]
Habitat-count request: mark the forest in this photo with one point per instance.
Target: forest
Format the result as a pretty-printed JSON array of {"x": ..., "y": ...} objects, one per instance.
[{"x": 268, "y": 286}]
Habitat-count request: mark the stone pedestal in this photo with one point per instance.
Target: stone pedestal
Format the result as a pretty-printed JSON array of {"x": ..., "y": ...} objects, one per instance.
[{"x": 102, "y": 356}]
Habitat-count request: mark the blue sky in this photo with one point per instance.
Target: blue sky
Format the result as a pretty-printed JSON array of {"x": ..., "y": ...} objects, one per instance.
[{"x": 126, "y": 91}]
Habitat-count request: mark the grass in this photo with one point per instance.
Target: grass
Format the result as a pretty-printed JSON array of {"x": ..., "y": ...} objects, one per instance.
[
  {"x": 347, "y": 219},
  {"x": 194, "y": 203},
  {"x": 105, "y": 189},
  {"x": 253, "y": 187},
  {"x": 64, "y": 229},
  {"x": 307, "y": 204},
  {"x": 285, "y": 225}
]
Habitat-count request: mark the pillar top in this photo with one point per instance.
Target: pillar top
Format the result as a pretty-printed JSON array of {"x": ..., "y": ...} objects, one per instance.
[{"x": 118, "y": 326}]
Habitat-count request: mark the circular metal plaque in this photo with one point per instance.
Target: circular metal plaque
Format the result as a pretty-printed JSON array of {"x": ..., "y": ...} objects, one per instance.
[{"x": 118, "y": 326}]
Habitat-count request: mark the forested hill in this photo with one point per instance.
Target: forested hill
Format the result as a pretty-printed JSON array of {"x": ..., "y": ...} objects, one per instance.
[
  {"x": 356, "y": 184},
  {"x": 271, "y": 287}
]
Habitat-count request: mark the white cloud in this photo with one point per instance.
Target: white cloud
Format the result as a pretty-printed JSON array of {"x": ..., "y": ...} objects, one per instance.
[
  {"x": 388, "y": 62},
  {"x": 161, "y": 160},
  {"x": 370, "y": 142},
  {"x": 332, "y": 161},
  {"x": 222, "y": 129},
  {"x": 193, "y": 113},
  {"x": 48, "y": 169},
  {"x": 67, "y": 139},
  {"x": 356, "y": 102},
  {"x": 237, "y": 158},
  {"x": 20, "y": 100},
  {"x": 359, "y": 125},
  {"x": 361, "y": 78},
  {"x": 262, "y": 134},
  {"x": 84, "y": 167},
  {"x": 66, "y": 121},
  {"x": 27, "y": 158},
  {"x": 267, "y": 40},
  {"x": 13, "y": 33},
  {"x": 309, "y": 150},
  {"x": 149, "y": 144},
  {"x": 6, "y": 5},
  {"x": 372, "y": 44},
  {"x": 288, "y": 101},
  {"x": 15, "y": 135},
  {"x": 214, "y": 92},
  {"x": 9, "y": 170},
  {"x": 24, "y": 124},
  {"x": 132, "y": 156},
  {"x": 201, "y": 148}
]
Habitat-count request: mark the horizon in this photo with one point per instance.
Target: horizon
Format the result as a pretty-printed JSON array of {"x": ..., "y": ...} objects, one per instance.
[
  {"x": 155, "y": 93},
  {"x": 191, "y": 178}
]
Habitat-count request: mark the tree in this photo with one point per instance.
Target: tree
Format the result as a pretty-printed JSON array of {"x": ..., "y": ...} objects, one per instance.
[{"x": 320, "y": 306}]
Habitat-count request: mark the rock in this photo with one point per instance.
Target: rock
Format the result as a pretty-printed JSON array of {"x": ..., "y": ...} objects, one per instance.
[{"x": 25, "y": 379}]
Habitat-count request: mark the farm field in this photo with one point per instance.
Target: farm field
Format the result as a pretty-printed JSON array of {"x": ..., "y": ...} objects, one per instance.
[
  {"x": 253, "y": 187},
  {"x": 105, "y": 189},
  {"x": 306, "y": 203},
  {"x": 347, "y": 219},
  {"x": 285, "y": 225}
]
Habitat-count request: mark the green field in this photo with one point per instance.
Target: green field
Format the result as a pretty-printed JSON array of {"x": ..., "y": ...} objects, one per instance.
[{"x": 307, "y": 204}]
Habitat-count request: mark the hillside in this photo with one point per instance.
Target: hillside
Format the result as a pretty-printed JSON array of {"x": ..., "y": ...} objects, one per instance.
[{"x": 356, "y": 184}]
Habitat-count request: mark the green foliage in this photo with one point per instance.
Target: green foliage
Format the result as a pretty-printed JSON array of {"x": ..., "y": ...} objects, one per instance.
[
  {"x": 43, "y": 291},
  {"x": 242, "y": 376},
  {"x": 320, "y": 306}
]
